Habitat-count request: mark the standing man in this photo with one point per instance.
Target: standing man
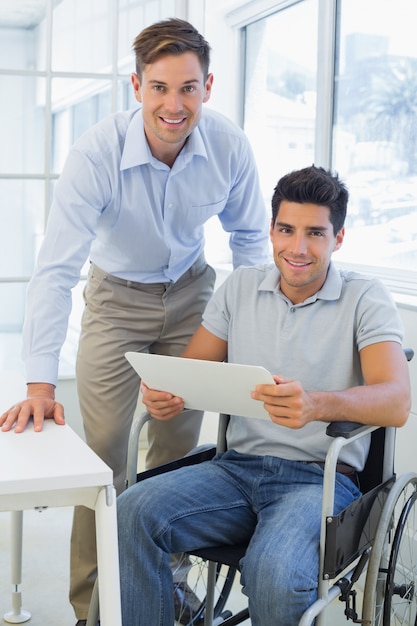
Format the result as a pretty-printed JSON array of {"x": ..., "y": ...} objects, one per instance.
[{"x": 133, "y": 197}]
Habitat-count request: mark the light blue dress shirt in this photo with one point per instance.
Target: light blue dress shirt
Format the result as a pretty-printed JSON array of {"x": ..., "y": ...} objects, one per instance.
[{"x": 138, "y": 219}]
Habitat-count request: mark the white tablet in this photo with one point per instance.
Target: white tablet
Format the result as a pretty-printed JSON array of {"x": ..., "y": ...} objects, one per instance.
[{"x": 205, "y": 385}]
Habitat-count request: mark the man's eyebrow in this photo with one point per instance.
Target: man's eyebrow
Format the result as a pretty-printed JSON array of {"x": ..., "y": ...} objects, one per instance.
[
  {"x": 162, "y": 82},
  {"x": 322, "y": 229},
  {"x": 319, "y": 228}
]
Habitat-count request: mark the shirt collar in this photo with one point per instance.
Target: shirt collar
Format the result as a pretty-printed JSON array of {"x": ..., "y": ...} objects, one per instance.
[
  {"x": 136, "y": 149},
  {"x": 331, "y": 289}
]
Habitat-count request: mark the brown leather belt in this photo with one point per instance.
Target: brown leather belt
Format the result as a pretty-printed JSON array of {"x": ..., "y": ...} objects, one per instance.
[{"x": 342, "y": 468}]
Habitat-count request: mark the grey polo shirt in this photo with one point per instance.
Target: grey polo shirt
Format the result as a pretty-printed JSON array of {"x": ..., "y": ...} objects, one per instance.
[{"x": 317, "y": 342}]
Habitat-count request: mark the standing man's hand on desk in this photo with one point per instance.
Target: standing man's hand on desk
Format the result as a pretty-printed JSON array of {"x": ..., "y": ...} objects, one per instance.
[{"x": 40, "y": 403}]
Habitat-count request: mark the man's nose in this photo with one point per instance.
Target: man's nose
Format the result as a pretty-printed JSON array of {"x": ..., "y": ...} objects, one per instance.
[
  {"x": 299, "y": 244},
  {"x": 173, "y": 102}
]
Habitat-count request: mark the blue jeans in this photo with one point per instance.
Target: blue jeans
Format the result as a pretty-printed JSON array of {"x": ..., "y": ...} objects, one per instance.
[{"x": 273, "y": 503}]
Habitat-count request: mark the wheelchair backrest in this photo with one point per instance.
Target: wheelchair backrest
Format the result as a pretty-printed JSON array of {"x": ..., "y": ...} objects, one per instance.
[{"x": 372, "y": 473}]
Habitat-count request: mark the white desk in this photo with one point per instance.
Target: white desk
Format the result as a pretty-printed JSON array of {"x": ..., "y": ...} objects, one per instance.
[{"x": 56, "y": 468}]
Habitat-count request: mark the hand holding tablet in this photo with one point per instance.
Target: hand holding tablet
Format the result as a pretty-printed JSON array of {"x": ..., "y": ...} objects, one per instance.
[{"x": 204, "y": 385}]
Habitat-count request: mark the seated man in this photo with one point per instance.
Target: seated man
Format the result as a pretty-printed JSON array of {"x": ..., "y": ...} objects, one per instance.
[{"x": 333, "y": 339}]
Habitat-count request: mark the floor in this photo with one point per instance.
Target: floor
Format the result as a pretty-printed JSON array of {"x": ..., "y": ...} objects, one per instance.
[
  {"x": 45, "y": 569},
  {"x": 45, "y": 566}
]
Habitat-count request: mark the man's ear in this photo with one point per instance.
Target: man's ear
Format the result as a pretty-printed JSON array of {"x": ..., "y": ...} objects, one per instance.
[
  {"x": 208, "y": 86},
  {"x": 271, "y": 228},
  {"x": 134, "y": 79},
  {"x": 339, "y": 239}
]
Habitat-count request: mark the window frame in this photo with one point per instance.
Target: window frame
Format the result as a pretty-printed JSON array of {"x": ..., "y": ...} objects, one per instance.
[{"x": 119, "y": 72}]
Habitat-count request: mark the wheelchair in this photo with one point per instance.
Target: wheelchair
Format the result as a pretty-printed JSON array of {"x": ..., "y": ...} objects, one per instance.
[{"x": 373, "y": 541}]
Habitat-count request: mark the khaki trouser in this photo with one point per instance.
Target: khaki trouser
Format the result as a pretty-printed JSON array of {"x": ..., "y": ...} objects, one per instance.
[{"x": 123, "y": 316}]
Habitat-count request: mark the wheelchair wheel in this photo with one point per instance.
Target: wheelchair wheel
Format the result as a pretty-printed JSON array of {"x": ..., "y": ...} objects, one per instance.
[
  {"x": 391, "y": 579},
  {"x": 195, "y": 576},
  {"x": 400, "y": 594}
]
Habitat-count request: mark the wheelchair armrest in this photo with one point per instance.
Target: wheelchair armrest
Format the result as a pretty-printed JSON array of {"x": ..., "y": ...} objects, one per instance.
[
  {"x": 346, "y": 429},
  {"x": 202, "y": 453}
]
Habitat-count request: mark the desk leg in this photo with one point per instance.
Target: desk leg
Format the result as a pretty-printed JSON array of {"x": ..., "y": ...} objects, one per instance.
[
  {"x": 108, "y": 558},
  {"x": 17, "y": 615}
]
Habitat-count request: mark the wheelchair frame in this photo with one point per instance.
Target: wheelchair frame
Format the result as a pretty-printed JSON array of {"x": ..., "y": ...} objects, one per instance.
[{"x": 373, "y": 547}]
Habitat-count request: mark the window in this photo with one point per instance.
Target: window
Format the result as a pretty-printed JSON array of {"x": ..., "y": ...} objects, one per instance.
[
  {"x": 60, "y": 72},
  {"x": 335, "y": 83},
  {"x": 280, "y": 91},
  {"x": 375, "y": 131}
]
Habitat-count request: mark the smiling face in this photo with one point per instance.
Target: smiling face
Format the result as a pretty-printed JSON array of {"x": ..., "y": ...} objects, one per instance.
[
  {"x": 303, "y": 242},
  {"x": 172, "y": 91}
]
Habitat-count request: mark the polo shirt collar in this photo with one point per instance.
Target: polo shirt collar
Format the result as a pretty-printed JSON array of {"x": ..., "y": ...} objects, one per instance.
[
  {"x": 136, "y": 148},
  {"x": 331, "y": 289}
]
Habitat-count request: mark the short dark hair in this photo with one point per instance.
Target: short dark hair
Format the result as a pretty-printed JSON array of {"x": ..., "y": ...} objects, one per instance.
[
  {"x": 170, "y": 36},
  {"x": 316, "y": 185}
]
